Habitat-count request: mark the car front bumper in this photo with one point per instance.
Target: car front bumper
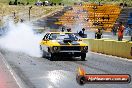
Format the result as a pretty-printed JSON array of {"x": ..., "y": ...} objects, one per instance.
[{"x": 69, "y": 53}]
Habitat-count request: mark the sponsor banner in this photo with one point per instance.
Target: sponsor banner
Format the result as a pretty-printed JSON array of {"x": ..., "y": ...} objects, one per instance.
[{"x": 83, "y": 78}]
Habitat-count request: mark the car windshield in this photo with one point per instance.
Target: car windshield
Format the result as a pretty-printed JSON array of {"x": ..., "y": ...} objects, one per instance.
[{"x": 58, "y": 36}]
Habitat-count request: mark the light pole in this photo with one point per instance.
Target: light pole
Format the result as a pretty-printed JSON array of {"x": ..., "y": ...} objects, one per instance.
[
  {"x": 29, "y": 11},
  {"x": 95, "y": 8}
]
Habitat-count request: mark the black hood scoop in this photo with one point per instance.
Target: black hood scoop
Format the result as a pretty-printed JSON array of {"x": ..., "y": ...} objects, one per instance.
[{"x": 68, "y": 42}]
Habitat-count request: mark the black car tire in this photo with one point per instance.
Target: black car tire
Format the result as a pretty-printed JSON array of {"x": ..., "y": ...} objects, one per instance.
[
  {"x": 43, "y": 54},
  {"x": 83, "y": 56},
  {"x": 52, "y": 57}
]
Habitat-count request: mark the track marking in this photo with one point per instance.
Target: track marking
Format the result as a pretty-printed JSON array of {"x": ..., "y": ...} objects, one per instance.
[
  {"x": 125, "y": 59},
  {"x": 11, "y": 71}
]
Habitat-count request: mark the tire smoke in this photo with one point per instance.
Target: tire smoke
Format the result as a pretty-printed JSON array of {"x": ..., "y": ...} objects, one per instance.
[{"x": 21, "y": 38}]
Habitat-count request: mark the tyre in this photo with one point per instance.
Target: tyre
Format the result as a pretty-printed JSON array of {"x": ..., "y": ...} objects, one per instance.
[
  {"x": 43, "y": 54},
  {"x": 52, "y": 57},
  {"x": 83, "y": 56}
]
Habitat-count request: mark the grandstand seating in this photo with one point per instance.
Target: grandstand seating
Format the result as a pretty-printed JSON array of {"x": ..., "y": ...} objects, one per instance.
[
  {"x": 125, "y": 16},
  {"x": 105, "y": 16},
  {"x": 130, "y": 19}
]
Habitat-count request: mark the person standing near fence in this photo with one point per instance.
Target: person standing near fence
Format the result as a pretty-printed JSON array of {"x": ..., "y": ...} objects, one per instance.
[
  {"x": 114, "y": 30},
  {"x": 81, "y": 33},
  {"x": 131, "y": 31},
  {"x": 120, "y": 31},
  {"x": 98, "y": 34},
  {"x": 128, "y": 30}
]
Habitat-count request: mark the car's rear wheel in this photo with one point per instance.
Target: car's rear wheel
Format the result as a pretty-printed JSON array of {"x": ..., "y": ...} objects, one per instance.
[{"x": 83, "y": 56}]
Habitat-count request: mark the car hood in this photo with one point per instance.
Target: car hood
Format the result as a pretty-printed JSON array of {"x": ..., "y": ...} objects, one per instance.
[{"x": 62, "y": 43}]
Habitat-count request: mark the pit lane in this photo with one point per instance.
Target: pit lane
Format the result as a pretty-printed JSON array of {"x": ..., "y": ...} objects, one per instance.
[{"x": 43, "y": 73}]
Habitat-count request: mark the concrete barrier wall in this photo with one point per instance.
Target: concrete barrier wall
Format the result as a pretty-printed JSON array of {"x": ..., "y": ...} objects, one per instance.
[{"x": 110, "y": 47}]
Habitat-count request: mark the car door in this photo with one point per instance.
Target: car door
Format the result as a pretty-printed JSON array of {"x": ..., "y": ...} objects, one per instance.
[{"x": 45, "y": 42}]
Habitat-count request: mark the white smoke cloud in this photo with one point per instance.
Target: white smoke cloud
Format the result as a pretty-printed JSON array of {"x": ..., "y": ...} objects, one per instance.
[{"x": 21, "y": 38}]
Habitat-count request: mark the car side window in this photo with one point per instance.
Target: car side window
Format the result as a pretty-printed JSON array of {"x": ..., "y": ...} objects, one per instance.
[
  {"x": 45, "y": 37},
  {"x": 48, "y": 36},
  {"x": 53, "y": 36}
]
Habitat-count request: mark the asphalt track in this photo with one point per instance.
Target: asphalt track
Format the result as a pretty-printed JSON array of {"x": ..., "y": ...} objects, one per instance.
[{"x": 42, "y": 73}]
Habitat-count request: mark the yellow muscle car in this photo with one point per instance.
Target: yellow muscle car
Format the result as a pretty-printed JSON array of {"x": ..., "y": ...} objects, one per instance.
[{"x": 62, "y": 44}]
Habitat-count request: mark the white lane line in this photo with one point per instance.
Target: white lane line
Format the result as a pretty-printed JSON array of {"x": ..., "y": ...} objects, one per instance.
[
  {"x": 114, "y": 36},
  {"x": 125, "y": 59},
  {"x": 11, "y": 71}
]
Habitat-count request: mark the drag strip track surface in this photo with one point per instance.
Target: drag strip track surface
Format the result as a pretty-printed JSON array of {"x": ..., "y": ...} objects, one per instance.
[{"x": 42, "y": 73}]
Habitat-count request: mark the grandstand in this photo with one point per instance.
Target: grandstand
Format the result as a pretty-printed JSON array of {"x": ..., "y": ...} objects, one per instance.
[
  {"x": 91, "y": 16},
  {"x": 130, "y": 19},
  {"x": 125, "y": 16}
]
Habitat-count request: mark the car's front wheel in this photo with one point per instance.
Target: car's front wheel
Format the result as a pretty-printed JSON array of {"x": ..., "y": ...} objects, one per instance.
[
  {"x": 52, "y": 57},
  {"x": 43, "y": 54},
  {"x": 83, "y": 56}
]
